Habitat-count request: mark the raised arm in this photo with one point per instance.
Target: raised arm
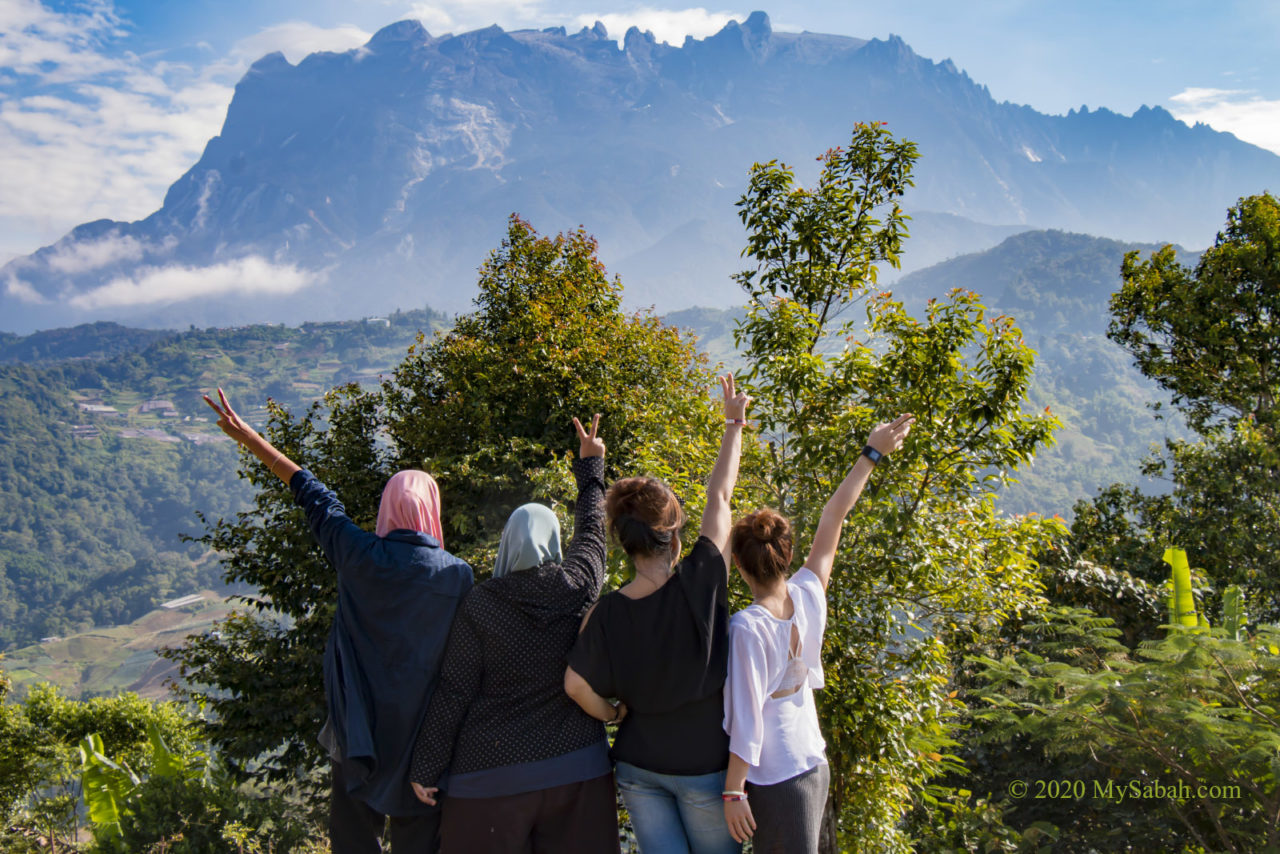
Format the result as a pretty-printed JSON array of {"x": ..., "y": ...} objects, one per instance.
[
  {"x": 717, "y": 518},
  {"x": 337, "y": 535},
  {"x": 885, "y": 439},
  {"x": 584, "y": 559},
  {"x": 235, "y": 427}
]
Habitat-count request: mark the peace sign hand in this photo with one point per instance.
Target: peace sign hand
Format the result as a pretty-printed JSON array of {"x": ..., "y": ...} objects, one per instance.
[
  {"x": 231, "y": 423},
  {"x": 888, "y": 437},
  {"x": 735, "y": 402},
  {"x": 589, "y": 445}
]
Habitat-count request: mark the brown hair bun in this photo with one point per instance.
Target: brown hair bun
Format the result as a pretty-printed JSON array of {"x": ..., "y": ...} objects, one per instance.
[
  {"x": 644, "y": 515},
  {"x": 762, "y": 544}
]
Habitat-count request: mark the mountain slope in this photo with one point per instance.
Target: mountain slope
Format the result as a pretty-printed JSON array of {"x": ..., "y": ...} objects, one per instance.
[{"x": 361, "y": 181}]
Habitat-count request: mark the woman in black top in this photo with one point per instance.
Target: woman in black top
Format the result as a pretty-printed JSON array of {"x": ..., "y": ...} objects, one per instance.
[
  {"x": 523, "y": 768},
  {"x": 660, "y": 645}
]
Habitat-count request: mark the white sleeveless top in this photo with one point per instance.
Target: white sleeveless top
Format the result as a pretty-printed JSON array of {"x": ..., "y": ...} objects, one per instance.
[{"x": 769, "y": 712}]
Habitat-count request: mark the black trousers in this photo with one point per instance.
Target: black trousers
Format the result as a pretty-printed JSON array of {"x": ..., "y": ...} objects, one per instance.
[
  {"x": 357, "y": 828},
  {"x": 576, "y": 818}
]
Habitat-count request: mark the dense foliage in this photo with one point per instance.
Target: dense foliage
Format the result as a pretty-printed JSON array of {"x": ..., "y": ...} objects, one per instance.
[
  {"x": 1209, "y": 336},
  {"x": 926, "y": 561},
  {"x": 135, "y": 775},
  {"x": 1175, "y": 743}
]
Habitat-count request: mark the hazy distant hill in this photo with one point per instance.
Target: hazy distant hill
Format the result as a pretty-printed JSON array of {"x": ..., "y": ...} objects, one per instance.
[
  {"x": 100, "y": 340},
  {"x": 356, "y": 182}
]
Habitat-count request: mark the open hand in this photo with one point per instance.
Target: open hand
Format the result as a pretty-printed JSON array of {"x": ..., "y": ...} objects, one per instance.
[
  {"x": 742, "y": 824},
  {"x": 735, "y": 402},
  {"x": 888, "y": 437},
  {"x": 426, "y": 794},
  {"x": 231, "y": 423},
  {"x": 589, "y": 445}
]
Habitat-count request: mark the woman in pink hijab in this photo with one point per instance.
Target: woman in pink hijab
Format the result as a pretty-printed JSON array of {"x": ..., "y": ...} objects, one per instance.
[{"x": 398, "y": 590}]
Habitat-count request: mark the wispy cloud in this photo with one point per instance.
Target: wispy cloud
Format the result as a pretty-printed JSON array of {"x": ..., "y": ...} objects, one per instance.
[
  {"x": 89, "y": 131},
  {"x": 82, "y": 256},
  {"x": 1242, "y": 112},
  {"x": 18, "y": 289},
  {"x": 250, "y": 276},
  {"x": 297, "y": 39},
  {"x": 667, "y": 25}
]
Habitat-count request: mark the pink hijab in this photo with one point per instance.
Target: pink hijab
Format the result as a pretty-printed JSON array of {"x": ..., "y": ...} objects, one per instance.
[{"x": 410, "y": 500}]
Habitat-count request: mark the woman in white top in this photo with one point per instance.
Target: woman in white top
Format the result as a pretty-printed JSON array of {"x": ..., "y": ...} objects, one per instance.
[{"x": 776, "y": 786}]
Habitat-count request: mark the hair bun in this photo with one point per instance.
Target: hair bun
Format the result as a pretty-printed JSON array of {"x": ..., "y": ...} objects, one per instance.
[
  {"x": 767, "y": 525},
  {"x": 761, "y": 542},
  {"x": 644, "y": 514}
]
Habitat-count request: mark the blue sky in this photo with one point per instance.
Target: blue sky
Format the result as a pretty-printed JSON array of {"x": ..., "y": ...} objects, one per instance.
[{"x": 104, "y": 103}]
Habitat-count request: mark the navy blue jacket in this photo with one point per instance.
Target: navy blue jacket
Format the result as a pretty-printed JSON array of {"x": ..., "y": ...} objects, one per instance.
[{"x": 396, "y": 599}]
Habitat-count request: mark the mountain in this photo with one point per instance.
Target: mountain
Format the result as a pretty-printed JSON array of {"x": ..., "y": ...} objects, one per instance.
[
  {"x": 356, "y": 182},
  {"x": 1056, "y": 285}
]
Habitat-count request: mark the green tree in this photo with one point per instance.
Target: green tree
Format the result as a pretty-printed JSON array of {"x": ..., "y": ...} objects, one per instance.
[
  {"x": 1171, "y": 748},
  {"x": 486, "y": 408},
  {"x": 1211, "y": 335},
  {"x": 1208, "y": 335},
  {"x": 928, "y": 562},
  {"x": 39, "y": 761}
]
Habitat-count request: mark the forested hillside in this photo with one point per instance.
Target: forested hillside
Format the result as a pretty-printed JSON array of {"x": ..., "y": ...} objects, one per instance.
[{"x": 105, "y": 463}]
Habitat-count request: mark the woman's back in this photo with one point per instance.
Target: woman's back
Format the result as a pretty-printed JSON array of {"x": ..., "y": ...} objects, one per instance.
[
  {"x": 666, "y": 656},
  {"x": 501, "y": 700},
  {"x": 524, "y": 624}
]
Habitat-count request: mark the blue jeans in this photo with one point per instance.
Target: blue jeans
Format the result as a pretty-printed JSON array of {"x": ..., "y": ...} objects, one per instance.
[{"x": 675, "y": 813}]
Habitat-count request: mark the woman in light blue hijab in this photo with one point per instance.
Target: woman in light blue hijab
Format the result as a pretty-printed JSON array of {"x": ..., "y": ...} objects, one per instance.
[
  {"x": 520, "y": 766},
  {"x": 530, "y": 539}
]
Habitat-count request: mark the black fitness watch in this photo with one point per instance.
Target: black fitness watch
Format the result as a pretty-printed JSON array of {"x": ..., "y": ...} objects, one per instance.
[{"x": 871, "y": 454}]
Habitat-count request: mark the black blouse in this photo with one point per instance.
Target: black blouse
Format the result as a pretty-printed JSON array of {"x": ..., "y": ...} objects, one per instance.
[{"x": 666, "y": 656}]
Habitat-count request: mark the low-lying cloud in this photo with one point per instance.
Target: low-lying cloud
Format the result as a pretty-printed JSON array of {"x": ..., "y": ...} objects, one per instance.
[
  {"x": 249, "y": 276},
  {"x": 81, "y": 256},
  {"x": 1239, "y": 111}
]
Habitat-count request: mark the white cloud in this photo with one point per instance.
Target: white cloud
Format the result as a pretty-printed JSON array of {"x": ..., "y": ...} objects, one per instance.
[
  {"x": 456, "y": 16},
  {"x": 91, "y": 132},
  {"x": 82, "y": 256},
  {"x": 297, "y": 39},
  {"x": 21, "y": 290},
  {"x": 250, "y": 276},
  {"x": 1239, "y": 111},
  {"x": 667, "y": 25},
  {"x": 87, "y": 132}
]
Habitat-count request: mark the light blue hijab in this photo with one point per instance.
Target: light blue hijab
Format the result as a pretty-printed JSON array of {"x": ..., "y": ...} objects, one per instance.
[{"x": 530, "y": 538}]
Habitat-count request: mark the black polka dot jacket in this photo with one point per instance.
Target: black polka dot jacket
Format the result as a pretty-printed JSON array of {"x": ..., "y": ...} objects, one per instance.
[{"x": 500, "y": 700}]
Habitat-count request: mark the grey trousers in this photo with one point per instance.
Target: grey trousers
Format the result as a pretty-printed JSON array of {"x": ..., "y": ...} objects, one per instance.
[{"x": 789, "y": 814}]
